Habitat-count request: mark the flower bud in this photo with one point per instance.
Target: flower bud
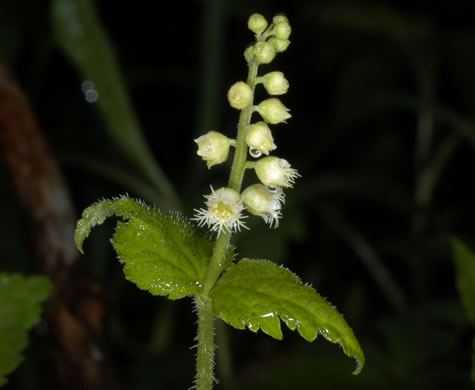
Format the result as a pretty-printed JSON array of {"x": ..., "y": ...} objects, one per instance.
[
  {"x": 275, "y": 171},
  {"x": 240, "y": 95},
  {"x": 282, "y": 30},
  {"x": 257, "y": 23},
  {"x": 213, "y": 147},
  {"x": 280, "y": 18},
  {"x": 264, "y": 52},
  {"x": 259, "y": 136},
  {"x": 249, "y": 53},
  {"x": 273, "y": 111},
  {"x": 275, "y": 83},
  {"x": 263, "y": 203},
  {"x": 279, "y": 45}
]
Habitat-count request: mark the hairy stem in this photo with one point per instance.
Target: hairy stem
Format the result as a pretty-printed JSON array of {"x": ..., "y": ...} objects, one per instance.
[{"x": 205, "y": 358}]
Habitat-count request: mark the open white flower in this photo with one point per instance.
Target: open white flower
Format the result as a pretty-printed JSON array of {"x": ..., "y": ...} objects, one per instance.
[
  {"x": 224, "y": 212},
  {"x": 260, "y": 201},
  {"x": 275, "y": 171}
]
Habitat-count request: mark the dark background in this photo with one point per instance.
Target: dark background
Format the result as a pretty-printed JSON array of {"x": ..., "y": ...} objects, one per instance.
[{"x": 381, "y": 96}]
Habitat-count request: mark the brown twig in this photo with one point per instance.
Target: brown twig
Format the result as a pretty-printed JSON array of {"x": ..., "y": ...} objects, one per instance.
[{"x": 75, "y": 310}]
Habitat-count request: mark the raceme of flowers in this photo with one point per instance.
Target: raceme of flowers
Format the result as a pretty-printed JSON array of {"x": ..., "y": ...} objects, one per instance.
[{"x": 225, "y": 206}]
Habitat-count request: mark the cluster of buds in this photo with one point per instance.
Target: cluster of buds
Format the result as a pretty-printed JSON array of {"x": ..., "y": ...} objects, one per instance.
[{"x": 225, "y": 206}]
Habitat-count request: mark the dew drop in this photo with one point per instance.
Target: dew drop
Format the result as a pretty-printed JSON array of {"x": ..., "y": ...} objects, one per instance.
[
  {"x": 90, "y": 92},
  {"x": 271, "y": 314},
  {"x": 255, "y": 152}
]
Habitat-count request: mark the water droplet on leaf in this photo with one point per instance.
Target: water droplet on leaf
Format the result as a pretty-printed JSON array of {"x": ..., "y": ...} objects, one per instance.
[{"x": 90, "y": 92}]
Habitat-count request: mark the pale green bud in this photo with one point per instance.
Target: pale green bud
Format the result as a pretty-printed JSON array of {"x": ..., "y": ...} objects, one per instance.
[
  {"x": 275, "y": 171},
  {"x": 275, "y": 83},
  {"x": 273, "y": 111},
  {"x": 282, "y": 30},
  {"x": 280, "y": 18},
  {"x": 264, "y": 52},
  {"x": 279, "y": 45},
  {"x": 259, "y": 136},
  {"x": 257, "y": 23},
  {"x": 240, "y": 95},
  {"x": 213, "y": 147},
  {"x": 249, "y": 53},
  {"x": 263, "y": 203}
]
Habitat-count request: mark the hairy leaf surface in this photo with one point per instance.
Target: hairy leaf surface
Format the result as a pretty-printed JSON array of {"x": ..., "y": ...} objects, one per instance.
[
  {"x": 161, "y": 252},
  {"x": 20, "y": 308},
  {"x": 256, "y": 293}
]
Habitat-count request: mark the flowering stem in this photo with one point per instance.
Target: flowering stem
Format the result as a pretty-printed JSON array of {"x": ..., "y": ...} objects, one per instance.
[
  {"x": 235, "y": 180},
  {"x": 240, "y": 156},
  {"x": 205, "y": 358}
]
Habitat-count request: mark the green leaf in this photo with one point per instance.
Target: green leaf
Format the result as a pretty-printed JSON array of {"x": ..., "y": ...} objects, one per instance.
[
  {"x": 161, "y": 252},
  {"x": 20, "y": 308},
  {"x": 464, "y": 260},
  {"x": 256, "y": 293}
]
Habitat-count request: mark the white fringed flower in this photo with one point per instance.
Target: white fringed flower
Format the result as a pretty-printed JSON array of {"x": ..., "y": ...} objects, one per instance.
[
  {"x": 224, "y": 212},
  {"x": 275, "y": 171},
  {"x": 260, "y": 201}
]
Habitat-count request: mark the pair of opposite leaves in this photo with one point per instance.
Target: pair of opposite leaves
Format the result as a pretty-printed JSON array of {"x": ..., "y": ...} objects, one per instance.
[{"x": 164, "y": 254}]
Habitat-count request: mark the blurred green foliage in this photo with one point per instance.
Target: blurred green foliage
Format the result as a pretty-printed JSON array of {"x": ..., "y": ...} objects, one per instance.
[
  {"x": 465, "y": 267},
  {"x": 20, "y": 308},
  {"x": 382, "y": 130}
]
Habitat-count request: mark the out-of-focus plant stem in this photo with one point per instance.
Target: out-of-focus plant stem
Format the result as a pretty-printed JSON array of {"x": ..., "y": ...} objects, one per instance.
[
  {"x": 80, "y": 35},
  {"x": 367, "y": 254}
]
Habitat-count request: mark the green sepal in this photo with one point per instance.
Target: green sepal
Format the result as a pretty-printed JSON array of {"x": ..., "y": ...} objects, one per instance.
[
  {"x": 20, "y": 309},
  {"x": 162, "y": 252},
  {"x": 256, "y": 293}
]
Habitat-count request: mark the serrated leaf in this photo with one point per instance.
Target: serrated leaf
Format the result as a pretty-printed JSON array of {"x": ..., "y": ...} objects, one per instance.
[
  {"x": 256, "y": 293},
  {"x": 20, "y": 309},
  {"x": 464, "y": 260},
  {"x": 161, "y": 252}
]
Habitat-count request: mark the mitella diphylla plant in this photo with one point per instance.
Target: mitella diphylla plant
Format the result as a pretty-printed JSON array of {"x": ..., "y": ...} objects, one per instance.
[{"x": 165, "y": 254}]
